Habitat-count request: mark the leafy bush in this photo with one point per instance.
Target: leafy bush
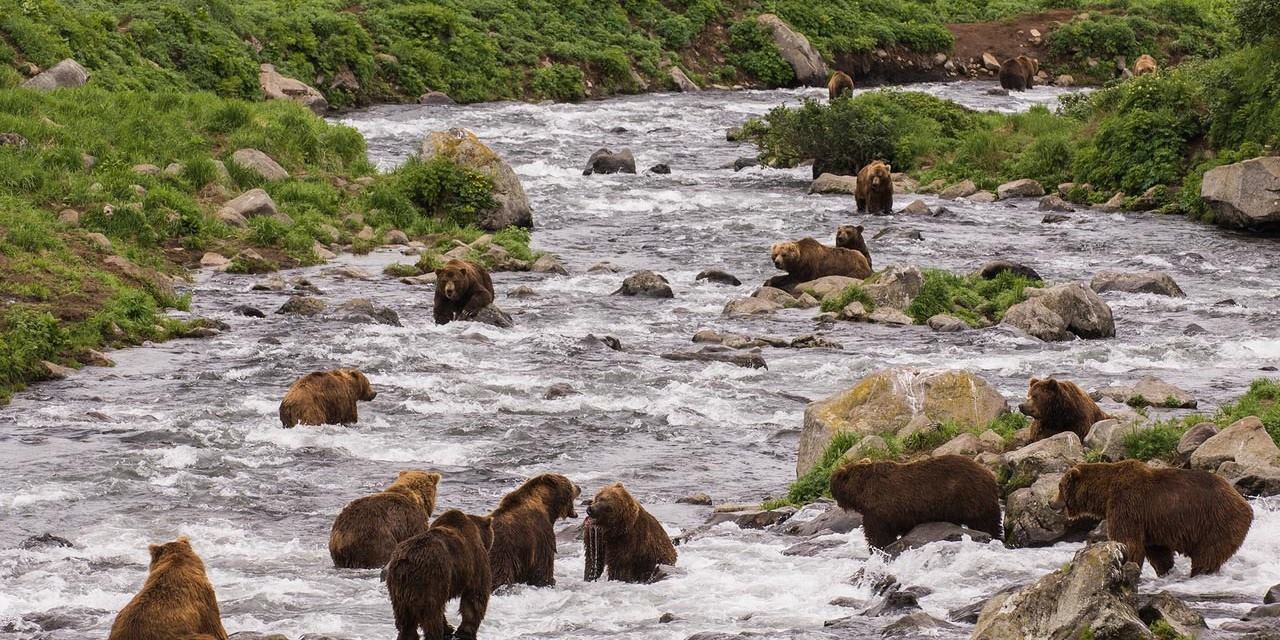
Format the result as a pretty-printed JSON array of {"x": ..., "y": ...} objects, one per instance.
[
  {"x": 1261, "y": 400},
  {"x": 436, "y": 189},
  {"x": 1157, "y": 443},
  {"x": 1258, "y": 20},
  {"x": 751, "y": 50},
  {"x": 971, "y": 298},
  {"x": 559, "y": 82}
]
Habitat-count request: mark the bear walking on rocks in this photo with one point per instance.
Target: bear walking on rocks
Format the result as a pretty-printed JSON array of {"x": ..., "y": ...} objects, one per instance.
[
  {"x": 177, "y": 600},
  {"x": 624, "y": 539},
  {"x": 840, "y": 84},
  {"x": 873, "y": 192},
  {"x": 1143, "y": 65},
  {"x": 449, "y": 560},
  {"x": 462, "y": 289},
  {"x": 368, "y": 529},
  {"x": 1156, "y": 513},
  {"x": 325, "y": 397},
  {"x": 808, "y": 259},
  {"x": 1057, "y": 406},
  {"x": 895, "y": 497},
  {"x": 1018, "y": 74},
  {"x": 524, "y": 536},
  {"x": 849, "y": 236}
]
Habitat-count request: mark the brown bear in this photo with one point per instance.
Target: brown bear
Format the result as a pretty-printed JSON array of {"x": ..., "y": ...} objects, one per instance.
[
  {"x": 1057, "y": 406},
  {"x": 1156, "y": 513},
  {"x": 524, "y": 535},
  {"x": 325, "y": 397},
  {"x": 840, "y": 84},
  {"x": 849, "y": 236},
  {"x": 874, "y": 191},
  {"x": 895, "y": 497},
  {"x": 177, "y": 600},
  {"x": 623, "y": 538},
  {"x": 462, "y": 289},
  {"x": 368, "y": 529},
  {"x": 449, "y": 560},
  {"x": 1018, "y": 74},
  {"x": 1143, "y": 65},
  {"x": 808, "y": 259}
]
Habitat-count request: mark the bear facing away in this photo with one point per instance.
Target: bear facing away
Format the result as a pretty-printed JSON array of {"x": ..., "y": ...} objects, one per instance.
[
  {"x": 624, "y": 539},
  {"x": 462, "y": 289},
  {"x": 895, "y": 497},
  {"x": 325, "y": 397},
  {"x": 177, "y": 600},
  {"x": 840, "y": 84},
  {"x": 449, "y": 560},
  {"x": 873, "y": 192},
  {"x": 849, "y": 236},
  {"x": 524, "y": 536},
  {"x": 1057, "y": 406},
  {"x": 1018, "y": 74},
  {"x": 807, "y": 259},
  {"x": 368, "y": 529},
  {"x": 1156, "y": 513}
]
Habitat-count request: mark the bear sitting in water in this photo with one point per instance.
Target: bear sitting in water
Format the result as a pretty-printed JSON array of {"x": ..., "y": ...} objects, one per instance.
[
  {"x": 849, "y": 236},
  {"x": 1057, "y": 406},
  {"x": 368, "y": 529},
  {"x": 1159, "y": 512},
  {"x": 624, "y": 539},
  {"x": 449, "y": 560},
  {"x": 177, "y": 600},
  {"x": 524, "y": 537},
  {"x": 894, "y": 498},
  {"x": 874, "y": 191},
  {"x": 808, "y": 259},
  {"x": 325, "y": 397},
  {"x": 462, "y": 289}
]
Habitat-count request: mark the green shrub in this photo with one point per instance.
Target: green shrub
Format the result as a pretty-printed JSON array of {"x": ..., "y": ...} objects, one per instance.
[
  {"x": 1261, "y": 400},
  {"x": 26, "y": 338},
  {"x": 436, "y": 189},
  {"x": 559, "y": 82},
  {"x": 1157, "y": 443},
  {"x": 971, "y": 298},
  {"x": 752, "y": 51},
  {"x": 1258, "y": 20}
]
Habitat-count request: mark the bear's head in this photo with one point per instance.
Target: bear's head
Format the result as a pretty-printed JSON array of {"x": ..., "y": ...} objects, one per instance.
[
  {"x": 785, "y": 255},
  {"x": 849, "y": 236},
  {"x": 614, "y": 508},
  {"x": 554, "y": 492},
  {"x": 851, "y": 483},
  {"x": 454, "y": 280},
  {"x": 1041, "y": 396},
  {"x": 1083, "y": 491},
  {"x": 171, "y": 551},
  {"x": 359, "y": 383},
  {"x": 418, "y": 485},
  {"x": 880, "y": 174}
]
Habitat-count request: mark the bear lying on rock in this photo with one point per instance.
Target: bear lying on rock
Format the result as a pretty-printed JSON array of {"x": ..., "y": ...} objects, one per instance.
[
  {"x": 1058, "y": 406},
  {"x": 462, "y": 289},
  {"x": 524, "y": 537},
  {"x": 368, "y": 529},
  {"x": 325, "y": 397},
  {"x": 624, "y": 539},
  {"x": 895, "y": 497},
  {"x": 1159, "y": 512},
  {"x": 808, "y": 259},
  {"x": 449, "y": 560},
  {"x": 177, "y": 600}
]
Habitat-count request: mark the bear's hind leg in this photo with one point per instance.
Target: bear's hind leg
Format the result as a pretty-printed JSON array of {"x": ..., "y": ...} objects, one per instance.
[
  {"x": 473, "y": 606},
  {"x": 1161, "y": 559}
]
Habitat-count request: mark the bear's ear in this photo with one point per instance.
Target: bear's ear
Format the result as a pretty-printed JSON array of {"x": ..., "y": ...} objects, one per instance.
[
  {"x": 1033, "y": 382},
  {"x": 865, "y": 461},
  {"x": 859, "y": 228}
]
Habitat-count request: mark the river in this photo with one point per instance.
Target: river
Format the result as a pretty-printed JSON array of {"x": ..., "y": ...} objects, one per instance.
[{"x": 182, "y": 438}]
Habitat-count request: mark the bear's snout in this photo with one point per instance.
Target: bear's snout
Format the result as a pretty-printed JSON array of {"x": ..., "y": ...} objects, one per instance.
[
  {"x": 1058, "y": 503},
  {"x": 1026, "y": 409},
  {"x": 371, "y": 396},
  {"x": 591, "y": 511}
]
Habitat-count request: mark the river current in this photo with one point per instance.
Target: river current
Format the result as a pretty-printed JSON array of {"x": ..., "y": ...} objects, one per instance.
[{"x": 182, "y": 438}]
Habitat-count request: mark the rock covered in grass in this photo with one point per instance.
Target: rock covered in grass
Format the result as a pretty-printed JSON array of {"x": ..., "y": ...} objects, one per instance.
[
  {"x": 66, "y": 74},
  {"x": 1157, "y": 282},
  {"x": 462, "y": 147},
  {"x": 805, "y": 61},
  {"x": 277, "y": 86},
  {"x": 890, "y": 400},
  {"x": 895, "y": 287},
  {"x": 1108, "y": 436},
  {"x": 1094, "y": 592},
  {"x": 645, "y": 284}
]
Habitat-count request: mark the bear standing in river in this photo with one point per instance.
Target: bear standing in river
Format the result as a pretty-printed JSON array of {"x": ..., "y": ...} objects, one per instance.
[
  {"x": 808, "y": 259},
  {"x": 894, "y": 498},
  {"x": 849, "y": 236},
  {"x": 449, "y": 560},
  {"x": 462, "y": 289},
  {"x": 524, "y": 535},
  {"x": 325, "y": 397},
  {"x": 873, "y": 192},
  {"x": 1159, "y": 512},
  {"x": 1018, "y": 74},
  {"x": 840, "y": 84},
  {"x": 1057, "y": 406},
  {"x": 368, "y": 529},
  {"x": 177, "y": 600},
  {"x": 624, "y": 539}
]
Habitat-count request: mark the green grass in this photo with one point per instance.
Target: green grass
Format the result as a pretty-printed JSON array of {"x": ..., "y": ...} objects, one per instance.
[
  {"x": 816, "y": 482},
  {"x": 1162, "y": 630},
  {"x": 971, "y": 298},
  {"x": 1161, "y": 441},
  {"x": 851, "y": 293},
  {"x": 1262, "y": 400}
]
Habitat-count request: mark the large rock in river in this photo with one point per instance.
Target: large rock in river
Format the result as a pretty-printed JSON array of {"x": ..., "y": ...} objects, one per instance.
[
  {"x": 1246, "y": 442},
  {"x": 795, "y": 49},
  {"x": 464, "y": 148},
  {"x": 1061, "y": 312},
  {"x": 1031, "y": 521},
  {"x": 890, "y": 400},
  {"x": 1245, "y": 194},
  {"x": 1157, "y": 282},
  {"x": 1093, "y": 597}
]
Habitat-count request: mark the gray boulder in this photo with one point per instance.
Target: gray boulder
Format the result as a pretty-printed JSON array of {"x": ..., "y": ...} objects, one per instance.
[
  {"x": 645, "y": 284},
  {"x": 462, "y": 147},
  {"x": 931, "y": 532},
  {"x": 362, "y": 310},
  {"x": 64, "y": 75},
  {"x": 260, "y": 163},
  {"x": 606, "y": 161},
  {"x": 1246, "y": 442},
  {"x": 682, "y": 81},
  {"x": 1024, "y": 188},
  {"x": 250, "y": 204},
  {"x": 1058, "y": 313},
  {"x": 1108, "y": 436},
  {"x": 1245, "y": 194},
  {"x": 961, "y": 189},
  {"x": 1055, "y": 454},
  {"x": 276, "y": 86},
  {"x": 896, "y": 287},
  {"x": 1194, "y": 437},
  {"x": 1148, "y": 391},
  {"x": 1157, "y": 282},
  {"x": 1030, "y": 521},
  {"x": 805, "y": 61},
  {"x": 831, "y": 183}
]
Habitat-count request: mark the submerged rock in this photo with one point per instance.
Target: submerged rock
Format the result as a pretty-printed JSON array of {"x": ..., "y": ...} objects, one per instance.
[
  {"x": 752, "y": 359},
  {"x": 931, "y": 532},
  {"x": 363, "y": 310},
  {"x": 1157, "y": 282},
  {"x": 718, "y": 277}
]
